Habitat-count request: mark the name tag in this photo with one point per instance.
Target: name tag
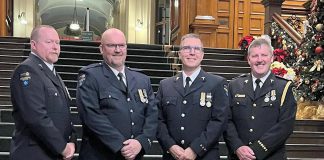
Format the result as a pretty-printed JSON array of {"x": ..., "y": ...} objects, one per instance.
[{"x": 240, "y": 95}]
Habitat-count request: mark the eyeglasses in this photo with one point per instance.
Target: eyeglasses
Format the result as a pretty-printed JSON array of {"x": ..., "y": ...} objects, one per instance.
[
  {"x": 195, "y": 49},
  {"x": 114, "y": 46}
]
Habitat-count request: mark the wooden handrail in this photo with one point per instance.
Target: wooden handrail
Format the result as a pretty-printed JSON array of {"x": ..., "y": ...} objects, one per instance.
[{"x": 284, "y": 25}]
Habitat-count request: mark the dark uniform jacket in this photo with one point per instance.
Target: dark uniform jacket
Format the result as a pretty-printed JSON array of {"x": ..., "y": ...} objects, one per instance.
[
  {"x": 110, "y": 116},
  {"x": 196, "y": 119},
  {"x": 40, "y": 111},
  {"x": 261, "y": 122}
]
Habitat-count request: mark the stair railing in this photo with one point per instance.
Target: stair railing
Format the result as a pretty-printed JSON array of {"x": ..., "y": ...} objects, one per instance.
[{"x": 289, "y": 29}]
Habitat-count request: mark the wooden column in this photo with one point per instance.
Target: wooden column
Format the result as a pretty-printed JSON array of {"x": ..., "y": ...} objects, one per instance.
[
  {"x": 207, "y": 33},
  {"x": 205, "y": 22},
  {"x": 3, "y": 14},
  {"x": 271, "y": 7}
]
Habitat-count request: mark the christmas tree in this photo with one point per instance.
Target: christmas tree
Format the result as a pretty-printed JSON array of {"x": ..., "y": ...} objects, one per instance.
[{"x": 309, "y": 57}]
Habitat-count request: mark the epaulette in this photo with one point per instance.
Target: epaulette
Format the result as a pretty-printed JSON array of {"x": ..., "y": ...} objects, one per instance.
[
  {"x": 92, "y": 66},
  {"x": 277, "y": 76},
  {"x": 136, "y": 70},
  {"x": 242, "y": 75}
]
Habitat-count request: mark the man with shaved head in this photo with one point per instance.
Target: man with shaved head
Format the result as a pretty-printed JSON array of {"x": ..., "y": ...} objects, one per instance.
[{"x": 116, "y": 105}]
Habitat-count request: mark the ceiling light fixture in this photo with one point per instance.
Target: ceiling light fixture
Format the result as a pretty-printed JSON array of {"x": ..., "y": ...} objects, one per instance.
[{"x": 75, "y": 24}]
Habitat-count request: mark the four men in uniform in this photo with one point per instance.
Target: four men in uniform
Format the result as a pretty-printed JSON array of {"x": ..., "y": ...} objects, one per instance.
[{"x": 120, "y": 116}]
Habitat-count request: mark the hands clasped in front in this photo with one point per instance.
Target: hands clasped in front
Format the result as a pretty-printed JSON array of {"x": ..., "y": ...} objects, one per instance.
[
  {"x": 179, "y": 153},
  {"x": 131, "y": 148},
  {"x": 245, "y": 153},
  {"x": 68, "y": 151}
]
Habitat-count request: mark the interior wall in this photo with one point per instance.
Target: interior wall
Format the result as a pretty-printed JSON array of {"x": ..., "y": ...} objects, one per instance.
[
  {"x": 139, "y": 10},
  {"x": 27, "y": 6}
]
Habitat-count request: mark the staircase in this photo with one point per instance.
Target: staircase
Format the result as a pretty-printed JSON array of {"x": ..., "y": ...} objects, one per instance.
[{"x": 156, "y": 61}]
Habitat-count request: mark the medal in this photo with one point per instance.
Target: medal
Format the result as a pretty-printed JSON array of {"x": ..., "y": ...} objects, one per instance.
[
  {"x": 267, "y": 99},
  {"x": 145, "y": 96},
  {"x": 208, "y": 99},
  {"x": 202, "y": 99},
  {"x": 273, "y": 95},
  {"x": 208, "y": 104},
  {"x": 140, "y": 93}
]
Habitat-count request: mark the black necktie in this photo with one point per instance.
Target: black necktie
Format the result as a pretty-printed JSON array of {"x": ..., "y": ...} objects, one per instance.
[
  {"x": 54, "y": 72},
  {"x": 257, "y": 88},
  {"x": 123, "y": 86},
  {"x": 186, "y": 88}
]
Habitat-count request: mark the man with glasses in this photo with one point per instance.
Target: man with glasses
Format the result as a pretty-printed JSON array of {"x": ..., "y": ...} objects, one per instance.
[
  {"x": 116, "y": 105},
  {"x": 192, "y": 107}
]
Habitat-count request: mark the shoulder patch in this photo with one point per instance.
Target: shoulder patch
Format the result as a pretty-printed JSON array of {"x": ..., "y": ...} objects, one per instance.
[
  {"x": 81, "y": 79},
  {"x": 92, "y": 66},
  {"x": 24, "y": 78}
]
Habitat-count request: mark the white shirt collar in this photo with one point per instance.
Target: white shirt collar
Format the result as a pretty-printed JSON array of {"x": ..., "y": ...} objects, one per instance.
[
  {"x": 116, "y": 72},
  {"x": 192, "y": 77},
  {"x": 50, "y": 66},
  {"x": 263, "y": 79}
]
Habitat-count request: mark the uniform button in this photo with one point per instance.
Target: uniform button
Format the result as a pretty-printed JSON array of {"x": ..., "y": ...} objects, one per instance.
[
  {"x": 167, "y": 102},
  {"x": 131, "y": 111},
  {"x": 237, "y": 102},
  {"x": 109, "y": 96},
  {"x": 132, "y": 136},
  {"x": 184, "y": 102},
  {"x": 128, "y": 99},
  {"x": 133, "y": 123},
  {"x": 250, "y": 143},
  {"x": 270, "y": 104},
  {"x": 251, "y": 130},
  {"x": 182, "y": 141},
  {"x": 254, "y": 105},
  {"x": 182, "y": 128},
  {"x": 55, "y": 94},
  {"x": 252, "y": 117},
  {"x": 183, "y": 115}
]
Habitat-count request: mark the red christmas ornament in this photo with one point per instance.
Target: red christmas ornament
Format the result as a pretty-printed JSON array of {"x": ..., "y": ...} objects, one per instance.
[{"x": 318, "y": 50}]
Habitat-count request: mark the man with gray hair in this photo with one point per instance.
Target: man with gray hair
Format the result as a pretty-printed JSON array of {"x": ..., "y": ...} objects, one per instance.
[{"x": 262, "y": 109}]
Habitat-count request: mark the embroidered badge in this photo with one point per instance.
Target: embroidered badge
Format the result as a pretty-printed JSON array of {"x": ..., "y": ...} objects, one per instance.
[
  {"x": 81, "y": 79},
  {"x": 25, "y": 77}
]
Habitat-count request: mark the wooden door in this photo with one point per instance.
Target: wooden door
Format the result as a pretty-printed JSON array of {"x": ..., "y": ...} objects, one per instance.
[{"x": 237, "y": 19}]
